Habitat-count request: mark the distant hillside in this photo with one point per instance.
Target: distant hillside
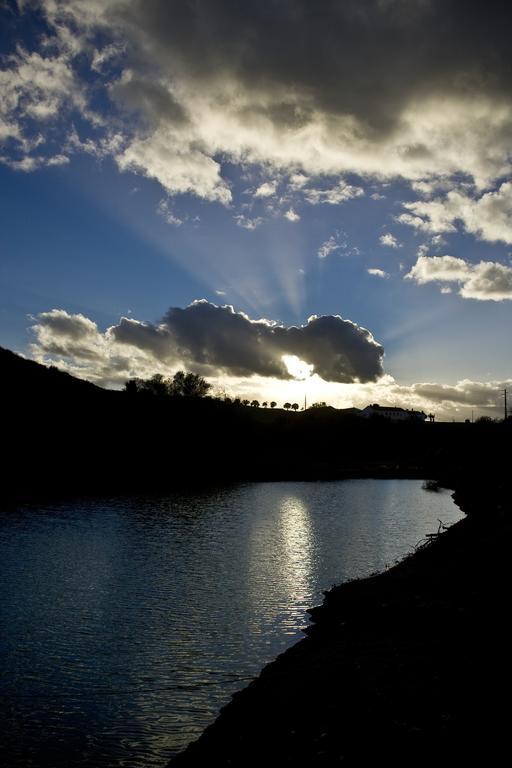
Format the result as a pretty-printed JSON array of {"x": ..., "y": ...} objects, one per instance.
[
  {"x": 66, "y": 436},
  {"x": 21, "y": 376}
]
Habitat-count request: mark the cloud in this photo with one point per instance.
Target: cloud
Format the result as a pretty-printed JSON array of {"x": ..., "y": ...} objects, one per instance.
[
  {"x": 488, "y": 217},
  {"x": 389, "y": 240},
  {"x": 334, "y": 196},
  {"x": 297, "y": 181},
  {"x": 34, "y": 89},
  {"x": 60, "y": 333},
  {"x": 337, "y": 242},
  {"x": 177, "y": 163},
  {"x": 328, "y": 246},
  {"x": 292, "y": 216},
  {"x": 255, "y": 358},
  {"x": 378, "y": 273},
  {"x": 371, "y": 88},
  {"x": 267, "y": 189},
  {"x": 34, "y": 162},
  {"x": 470, "y": 393},
  {"x": 164, "y": 209},
  {"x": 441, "y": 268},
  {"x": 485, "y": 281},
  {"x": 447, "y": 401},
  {"x": 211, "y": 340},
  {"x": 247, "y": 223}
]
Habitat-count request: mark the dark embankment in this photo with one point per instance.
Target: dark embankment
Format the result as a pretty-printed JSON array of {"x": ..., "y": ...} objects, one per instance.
[
  {"x": 66, "y": 436},
  {"x": 409, "y": 667}
]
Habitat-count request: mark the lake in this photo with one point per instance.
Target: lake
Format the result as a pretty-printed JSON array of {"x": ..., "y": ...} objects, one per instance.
[{"x": 126, "y": 623}]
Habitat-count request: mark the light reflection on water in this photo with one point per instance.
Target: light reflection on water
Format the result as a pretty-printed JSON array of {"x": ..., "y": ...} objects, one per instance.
[
  {"x": 127, "y": 623},
  {"x": 297, "y": 536}
]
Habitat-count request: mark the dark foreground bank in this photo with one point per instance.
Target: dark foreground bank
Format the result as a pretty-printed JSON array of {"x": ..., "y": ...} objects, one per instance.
[
  {"x": 411, "y": 666},
  {"x": 66, "y": 437}
]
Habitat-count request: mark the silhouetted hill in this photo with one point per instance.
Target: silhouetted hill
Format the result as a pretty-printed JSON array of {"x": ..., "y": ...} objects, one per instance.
[
  {"x": 22, "y": 378},
  {"x": 64, "y": 435}
]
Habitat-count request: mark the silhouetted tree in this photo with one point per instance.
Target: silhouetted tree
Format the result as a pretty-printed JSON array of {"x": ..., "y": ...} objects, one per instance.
[
  {"x": 188, "y": 385},
  {"x": 245, "y": 402},
  {"x": 273, "y": 404},
  {"x": 132, "y": 386},
  {"x": 264, "y": 405},
  {"x": 319, "y": 405},
  {"x": 156, "y": 385},
  {"x": 181, "y": 385},
  {"x": 295, "y": 406},
  {"x": 287, "y": 406},
  {"x": 255, "y": 404}
]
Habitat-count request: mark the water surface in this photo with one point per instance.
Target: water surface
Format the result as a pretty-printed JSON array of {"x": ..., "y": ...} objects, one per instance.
[{"x": 127, "y": 623}]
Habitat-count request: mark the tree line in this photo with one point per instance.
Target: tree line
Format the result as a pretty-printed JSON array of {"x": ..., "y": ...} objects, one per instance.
[{"x": 190, "y": 385}]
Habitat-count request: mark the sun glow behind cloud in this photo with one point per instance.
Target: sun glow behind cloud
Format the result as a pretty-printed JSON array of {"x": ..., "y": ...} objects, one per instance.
[
  {"x": 259, "y": 170},
  {"x": 298, "y": 368}
]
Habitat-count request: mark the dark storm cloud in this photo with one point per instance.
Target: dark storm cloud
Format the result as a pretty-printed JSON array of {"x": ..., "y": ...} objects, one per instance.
[
  {"x": 224, "y": 341},
  {"x": 365, "y": 59},
  {"x": 385, "y": 88},
  {"x": 148, "y": 97}
]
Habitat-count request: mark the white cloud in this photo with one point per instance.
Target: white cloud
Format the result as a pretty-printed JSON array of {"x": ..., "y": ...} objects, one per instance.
[
  {"x": 328, "y": 246},
  {"x": 62, "y": 334},
  {"x": 485, "y": 281},
  {"x": 291, "y": 215},
  {"x": 104, "y": 56},
  {"x": 378, "y": 273},
  {"x": 297, "y": 181},
  {"x": 488, "y": 217},
  {"x": 177, "y": 163},
  {"x": 389, "y": 240},
  {"x": 334, "y": 196},
  {"x": 33, "y": 162},
  {"x": 438, "y": 268},
  {"x": 164, "y": 209},
  {"x": 337, "y": 242},
  {"x": 34, "y": 90},
  {"x": 247, "y": 223},
  {"x": 267, "y": 189}
]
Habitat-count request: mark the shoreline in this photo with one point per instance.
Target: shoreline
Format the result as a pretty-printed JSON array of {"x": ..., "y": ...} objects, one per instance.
[
  {"x": 368, "y": 471},
  {"x": 408, "y": 665}
]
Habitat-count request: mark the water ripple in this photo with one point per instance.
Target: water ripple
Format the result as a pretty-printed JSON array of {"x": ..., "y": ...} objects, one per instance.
[{"x": 127, "y": 623}]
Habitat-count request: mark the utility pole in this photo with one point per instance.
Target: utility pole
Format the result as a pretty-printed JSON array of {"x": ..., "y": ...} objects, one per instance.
[{"x": 505, "y": 403}]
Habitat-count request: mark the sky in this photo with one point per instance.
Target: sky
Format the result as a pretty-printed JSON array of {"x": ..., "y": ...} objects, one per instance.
[{"x": 290, "y": 198}]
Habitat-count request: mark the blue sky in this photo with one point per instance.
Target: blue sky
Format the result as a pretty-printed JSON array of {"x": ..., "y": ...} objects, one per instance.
[{"x": 136, "y": 178}]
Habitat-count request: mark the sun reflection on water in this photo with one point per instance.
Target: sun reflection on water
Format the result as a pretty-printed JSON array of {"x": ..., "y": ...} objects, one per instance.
[{"x": 297, "y": 540}]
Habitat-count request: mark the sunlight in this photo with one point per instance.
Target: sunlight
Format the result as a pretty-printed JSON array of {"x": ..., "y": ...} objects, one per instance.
[
  {"x": 298, "y": 368},
  {"x": 297, "y": 537}
]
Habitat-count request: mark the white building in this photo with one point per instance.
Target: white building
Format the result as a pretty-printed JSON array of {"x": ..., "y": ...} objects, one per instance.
[{"x": 393, "y": 414}]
